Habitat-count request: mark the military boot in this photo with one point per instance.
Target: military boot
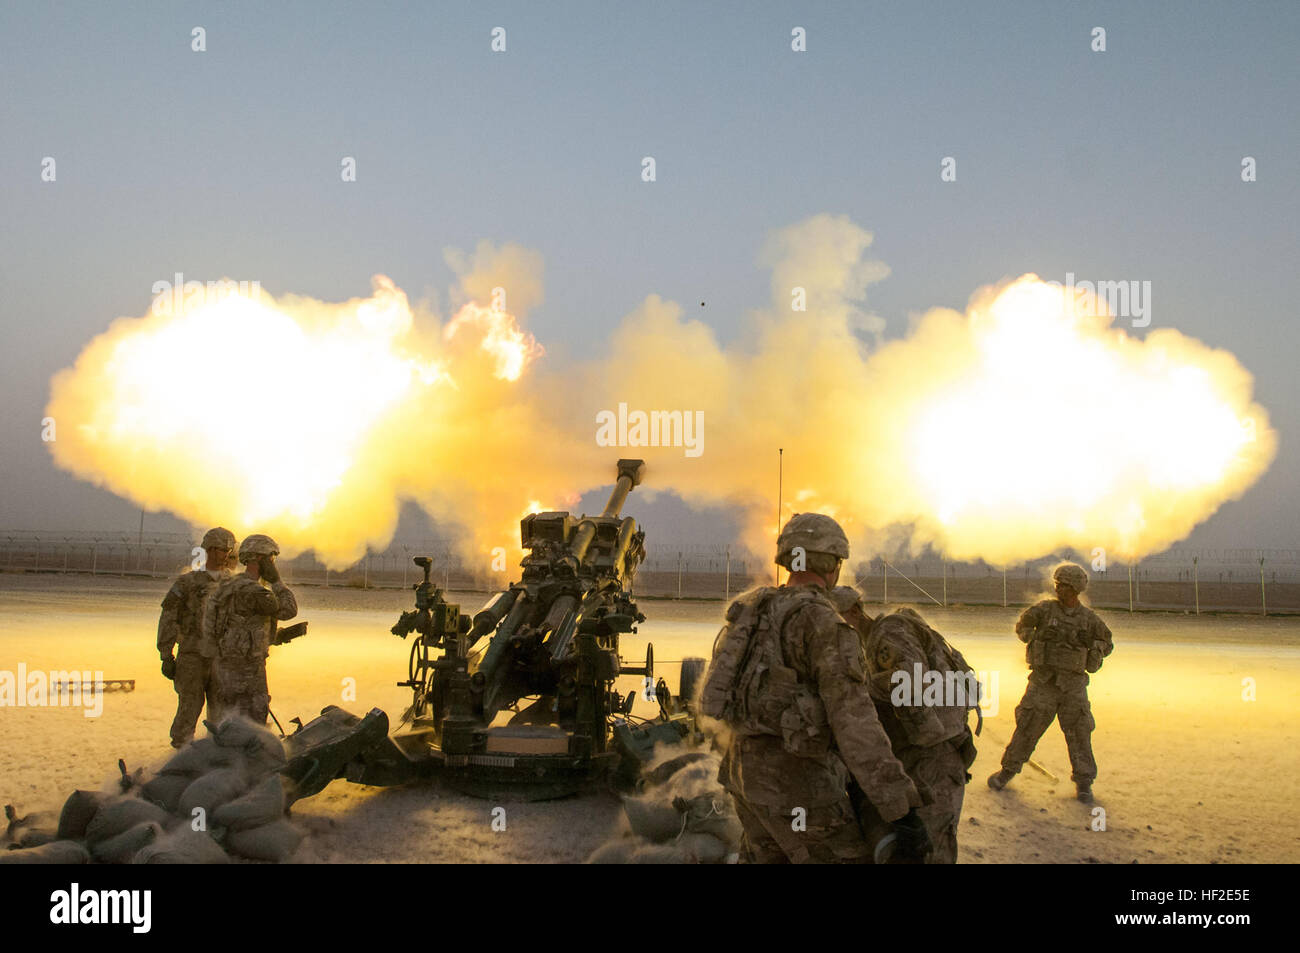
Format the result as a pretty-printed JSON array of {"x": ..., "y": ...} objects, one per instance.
[
  {"x": 1083, "y": 791},
  {"x": 1000, "y": 780}
]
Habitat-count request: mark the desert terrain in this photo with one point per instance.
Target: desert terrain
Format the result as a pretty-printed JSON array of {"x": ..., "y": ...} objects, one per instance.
[{"x": 1191, "y": 769}]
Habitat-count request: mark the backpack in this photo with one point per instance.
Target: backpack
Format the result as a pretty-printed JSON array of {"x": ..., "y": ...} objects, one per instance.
[
  {"x": 749, "y": 686},
  {"x": 940, "y": 657}
]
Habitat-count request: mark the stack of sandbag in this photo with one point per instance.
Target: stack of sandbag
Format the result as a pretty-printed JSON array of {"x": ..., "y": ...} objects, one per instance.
[
  {"x": 680, "y": 815},
  {"x": 30, "y": 830},
  {"x": 226, "y": 785}
]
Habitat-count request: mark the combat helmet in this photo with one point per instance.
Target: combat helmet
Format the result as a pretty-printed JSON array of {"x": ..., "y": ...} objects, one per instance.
[
  {"x": 815, "y": 533},
  {"x": 257, "y": 545},
  {"x": 218, "y": 538},
  {"x": 1072, "y": 575}
]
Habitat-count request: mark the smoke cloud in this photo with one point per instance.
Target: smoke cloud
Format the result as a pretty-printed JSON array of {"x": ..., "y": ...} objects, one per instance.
[{"x": 1026, "y": 423}]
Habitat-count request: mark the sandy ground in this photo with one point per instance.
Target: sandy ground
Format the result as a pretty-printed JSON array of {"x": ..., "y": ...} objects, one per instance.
[{"x": 1190, "y": 770}]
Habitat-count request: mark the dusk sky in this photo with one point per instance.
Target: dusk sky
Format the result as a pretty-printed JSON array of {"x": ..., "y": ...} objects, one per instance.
[{"x": 1116, "y": 165}]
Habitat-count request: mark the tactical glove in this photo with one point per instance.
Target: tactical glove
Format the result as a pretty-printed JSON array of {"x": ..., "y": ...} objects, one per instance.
[
  {"x": 914, "y": 843},
  {"x": 269, "y": 571},
  {"x": 1094, "y": 660},
  {"x": 169, "y": 667}
]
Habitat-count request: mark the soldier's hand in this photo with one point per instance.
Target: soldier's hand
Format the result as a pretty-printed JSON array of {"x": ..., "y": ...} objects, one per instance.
[
  {"x": 914, "y": 843},
  {"x": 1094, "y": 660},
  {"x": 269, "y": 571},
  {"x": 169, "y": 667}
]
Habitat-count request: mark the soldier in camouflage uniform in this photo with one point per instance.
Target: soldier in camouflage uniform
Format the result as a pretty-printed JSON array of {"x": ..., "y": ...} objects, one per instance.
[
  {"x": 802, "y": 720},
  {"x": 1066, "y": 641},
  {"x": 932, "y": 741},
  {"x": 239, "y": 629},
  {"x": 179, "y": 629}
]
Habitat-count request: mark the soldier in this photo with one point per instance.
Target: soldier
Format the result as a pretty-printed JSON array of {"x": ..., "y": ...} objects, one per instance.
[
  {"x": 1066, "y": 641},
  {"x": 239, "y": 628},
  {"x": 932, "y": 741},
  {"x": 787, "y": 677},
  {"x": 179, "y": 627}
]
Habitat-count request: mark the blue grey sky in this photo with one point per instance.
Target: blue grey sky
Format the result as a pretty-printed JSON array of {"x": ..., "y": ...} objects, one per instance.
[{"x": 1122, "y": 164}]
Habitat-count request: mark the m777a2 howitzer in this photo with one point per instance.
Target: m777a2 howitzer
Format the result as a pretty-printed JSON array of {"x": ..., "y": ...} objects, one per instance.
[{"x": 543, "y": 656}]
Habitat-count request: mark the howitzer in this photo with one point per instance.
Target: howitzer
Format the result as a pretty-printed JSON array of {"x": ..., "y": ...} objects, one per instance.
[{"x": 520, "y": 698}]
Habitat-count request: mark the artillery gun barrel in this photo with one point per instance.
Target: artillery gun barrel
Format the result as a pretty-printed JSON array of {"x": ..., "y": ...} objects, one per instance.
[{"x": 630, "y": 473}]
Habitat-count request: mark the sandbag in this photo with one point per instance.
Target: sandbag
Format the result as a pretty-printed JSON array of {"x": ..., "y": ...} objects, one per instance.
[
  {"x": 670, "y": 853},
  {"x": 121, "y": 848},
  {"x": 78, "y": 810},
  {"x": 616, "y": 852},
  {"x": 273, "y": 842},
  {"x": 262, "y": 805},
  {"x": 258, "y": 742},
  {"x": 119, "y": 815},
  {"x": 58, "y": 852},
  {"x": 36, "y": 837},
  {"x": 651, "y": 818},
  {"x": 201, "y": 757},
  {"x": 165, "y": 790},
  {"x": 711, "y": 814},
  {"x": 17, "y": 826},
  {"x": 182, "y": 846},
  {"x": 705, "y": 848},
  {"x": 670, "y": 767},
  {"x": 212, "y": 790}
]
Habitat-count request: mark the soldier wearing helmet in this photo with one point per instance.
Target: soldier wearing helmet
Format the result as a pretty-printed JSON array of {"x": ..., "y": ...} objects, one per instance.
[
  {"x": 1066, "y": 642},
  {"x": 179, "y": 628},
  {"x": 788, "y": 679},
  {"x": 930, "y": 736},
  {"x": 239, "y": 629}
]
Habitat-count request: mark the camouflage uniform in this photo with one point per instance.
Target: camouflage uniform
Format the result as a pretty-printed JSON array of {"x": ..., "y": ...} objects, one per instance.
[
  {"x": 933, "y": 741},
  {"x": 830, "y": 731},
  {"x": 179, "y": 627},
  {"x": 1064, "y": 645},
  {"x": 238, "y": 630}
]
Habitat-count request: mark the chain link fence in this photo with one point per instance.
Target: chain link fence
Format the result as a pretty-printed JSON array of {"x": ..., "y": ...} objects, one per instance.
[{"x": 1181, "y": 579}]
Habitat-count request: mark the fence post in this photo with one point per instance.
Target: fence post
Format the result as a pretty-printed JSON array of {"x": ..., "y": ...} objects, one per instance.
[
  {"x": 884, "y": 572},
  {"x": 1263, "y": 602},
  {"x": 1130, "y": 587},
  {"x": 679, "y": 575},
  {"x": 943, "y": 567},
  {"x": 727, "y": 598},
  {"x": 1196, "y": 583}
]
